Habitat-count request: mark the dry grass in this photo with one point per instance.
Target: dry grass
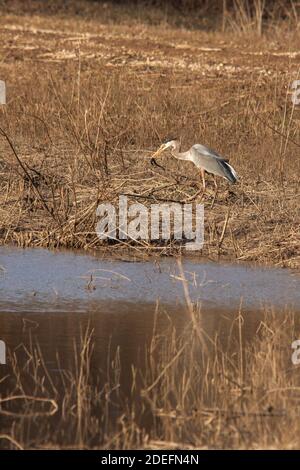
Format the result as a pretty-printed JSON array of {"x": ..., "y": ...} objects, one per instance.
[
  {"x": 239, "y": 394},
  {"x": 88, "y": 101}
]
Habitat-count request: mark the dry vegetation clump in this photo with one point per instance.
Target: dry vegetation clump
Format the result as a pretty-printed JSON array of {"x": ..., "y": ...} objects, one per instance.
[
  {"x": 238, "y": 394},
  {"x": 89, "y": 101}
]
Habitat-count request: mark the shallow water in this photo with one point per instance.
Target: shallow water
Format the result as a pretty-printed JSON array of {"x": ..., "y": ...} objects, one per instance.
[
  {"x": 39, "y": 280},
  {"x": 53, "y": 294},
  {"x": 49, "y": 298}
]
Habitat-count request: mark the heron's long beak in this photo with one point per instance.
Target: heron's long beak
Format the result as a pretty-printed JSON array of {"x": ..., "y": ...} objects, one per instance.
[{"x": 161, "y": 149}]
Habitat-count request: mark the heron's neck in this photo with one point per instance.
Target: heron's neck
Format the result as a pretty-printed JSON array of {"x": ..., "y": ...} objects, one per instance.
[{"x": 180, "y": 155}]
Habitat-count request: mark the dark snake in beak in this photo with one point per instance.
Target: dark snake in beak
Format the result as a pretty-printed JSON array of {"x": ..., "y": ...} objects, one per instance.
[{"x": 154, "y": 163}]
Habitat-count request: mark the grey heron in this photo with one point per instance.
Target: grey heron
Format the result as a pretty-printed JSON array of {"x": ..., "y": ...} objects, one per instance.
[{"x": 203, "y": 157}]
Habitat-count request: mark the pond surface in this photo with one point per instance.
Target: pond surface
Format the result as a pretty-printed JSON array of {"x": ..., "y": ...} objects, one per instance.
[
  {"x": 49, "y": 298},
  {"x": 54, "y": 293},
  {"x": 37, "y": 280}
]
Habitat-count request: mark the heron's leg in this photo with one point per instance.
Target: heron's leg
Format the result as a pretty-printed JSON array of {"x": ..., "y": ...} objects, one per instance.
[
  {"x": 202, "y": 171},
  {"x": 216, "y": 192}
]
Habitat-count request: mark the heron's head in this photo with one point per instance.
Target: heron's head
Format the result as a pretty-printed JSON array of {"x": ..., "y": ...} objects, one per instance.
[{"x": 171, "y": 144}]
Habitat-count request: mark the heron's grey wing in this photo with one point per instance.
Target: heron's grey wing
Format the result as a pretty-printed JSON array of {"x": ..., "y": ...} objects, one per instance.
[
  {"x": 207, "y": 151},
  {"x": 204, "y": 158}
]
